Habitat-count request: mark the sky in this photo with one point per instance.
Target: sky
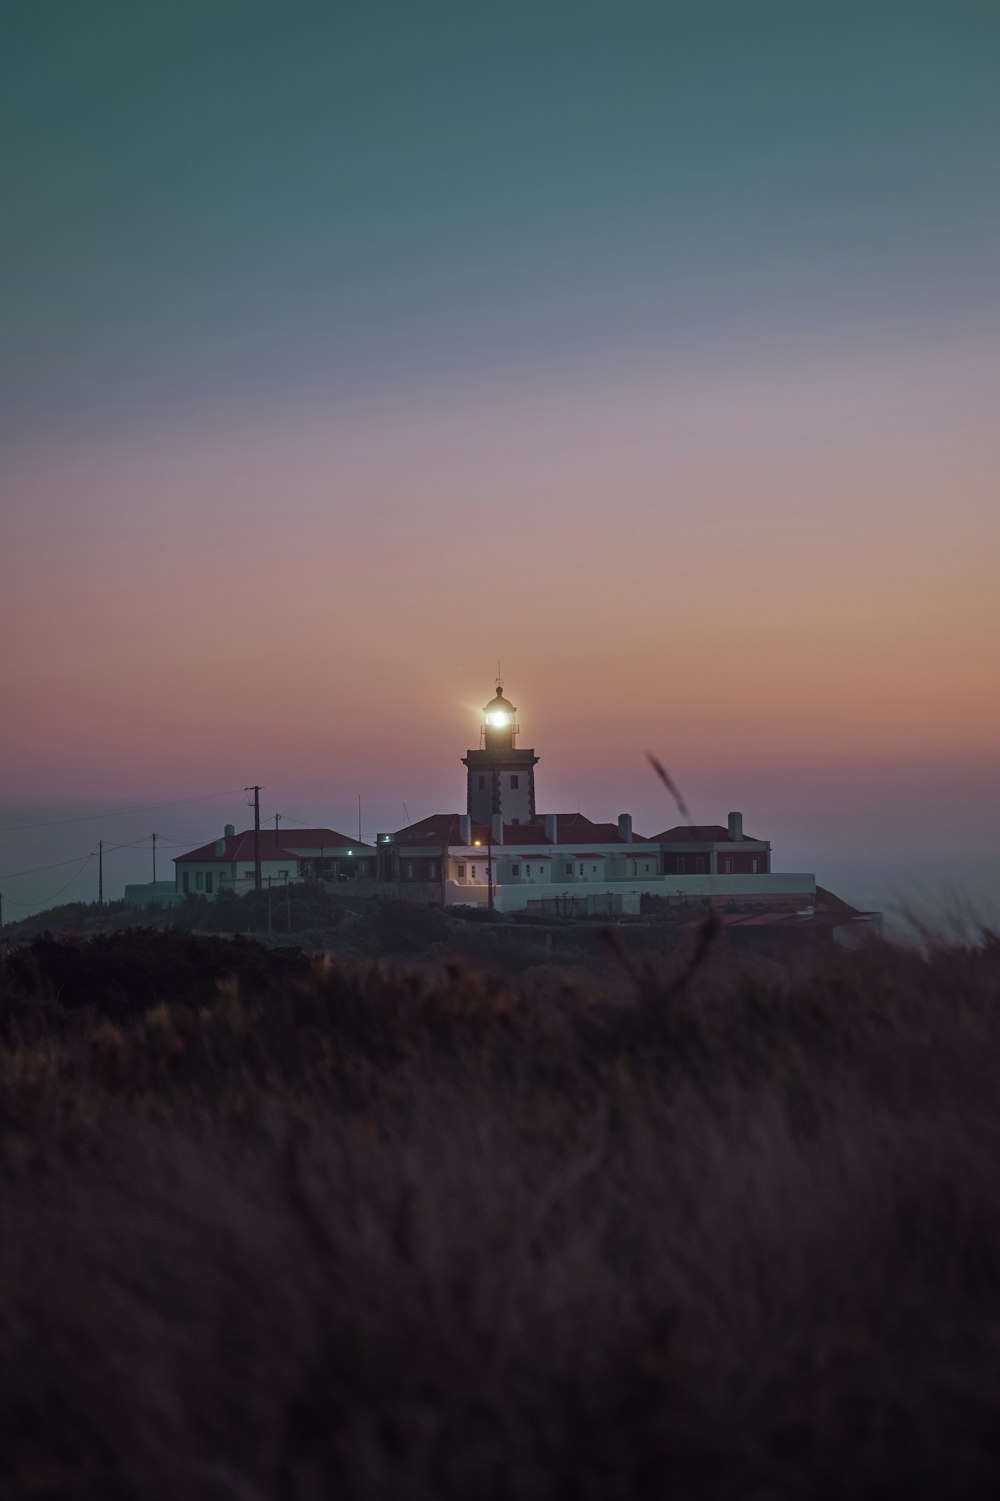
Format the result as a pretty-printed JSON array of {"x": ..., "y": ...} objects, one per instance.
[{"x": 649, "y": 349}]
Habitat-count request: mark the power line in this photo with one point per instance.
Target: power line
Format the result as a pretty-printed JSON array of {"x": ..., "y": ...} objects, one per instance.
[
  {"x": 35, "y": 870},
  {"x": 176, "y": 802},
  {"x": 184, "y": 844},
  {"x": 130, "y": 844},
  {"x": 57, "y": 864},
  {"x": 44, "y": 901}
]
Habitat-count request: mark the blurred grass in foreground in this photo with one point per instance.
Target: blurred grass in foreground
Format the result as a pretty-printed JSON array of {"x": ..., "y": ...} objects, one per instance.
[{"x": 285, "y": 1228}]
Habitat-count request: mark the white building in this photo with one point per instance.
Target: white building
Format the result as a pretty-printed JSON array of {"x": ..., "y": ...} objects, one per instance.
[
  {"x": 502, "y": 854},
  {"x": 285, "y": 855}
]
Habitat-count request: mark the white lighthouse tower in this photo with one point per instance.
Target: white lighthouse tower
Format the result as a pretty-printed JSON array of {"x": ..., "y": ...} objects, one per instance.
[{"x": 501, "y": 777}]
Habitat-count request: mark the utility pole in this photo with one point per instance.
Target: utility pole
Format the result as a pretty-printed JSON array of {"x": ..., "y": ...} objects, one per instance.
[
  {"x": 154, "y": 859},
  {"x": 489, "y": 869},
  {"x": 359, "y": 818},
  {"x": 100, "y": 872},
  {"x": 1, "y": 909},
  {"x": 257, "y": 882},
  {"x": 277, "y": 817}
]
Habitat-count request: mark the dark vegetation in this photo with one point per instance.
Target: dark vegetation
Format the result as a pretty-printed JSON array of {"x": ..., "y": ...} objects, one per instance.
[
  {"x": 350, "y": 927},
  {"x": 279, "y": 1227}
]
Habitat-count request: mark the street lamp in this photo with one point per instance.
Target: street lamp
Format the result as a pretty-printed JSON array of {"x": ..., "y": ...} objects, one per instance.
[{"x": 489, "y": 867}]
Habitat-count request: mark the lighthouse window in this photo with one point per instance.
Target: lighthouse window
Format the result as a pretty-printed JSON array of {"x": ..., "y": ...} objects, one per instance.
[
  {"x": 754, "y": 866},
  {"x": 482, "y": 784},
  {"x": 513, "y": 784}
]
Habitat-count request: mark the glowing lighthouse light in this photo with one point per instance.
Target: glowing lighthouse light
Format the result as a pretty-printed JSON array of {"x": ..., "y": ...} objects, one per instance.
[{"x": 501, "y": 781}]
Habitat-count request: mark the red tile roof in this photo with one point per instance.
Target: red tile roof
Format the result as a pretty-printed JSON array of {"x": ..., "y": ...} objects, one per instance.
[
  {"x": 275, "y": 845},
  {"x": 442, "y": 829},
  {"x": 572, "y": 828},
  {"x": 438, "y": 829},
  {"x": 702, "y": 833},
  {"x": 828, "y": 901}
]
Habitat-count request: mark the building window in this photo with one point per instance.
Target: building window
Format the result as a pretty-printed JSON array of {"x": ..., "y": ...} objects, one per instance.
[
  {"x": 635, "y": 867},
  {"x": 527, "y": 870},
  {"x": 515, "y": 870},
  {"x": 593, "y": 869},
  {"x": 645, "y": 870},
  {"x": 701, "y": 865},
  {"x": 282, "y": 875},
  {"x": 248, "y": 875},
  {"x": 208, "y": 880},
  {"x": 185, "y": 881},
  {"x": 513, "y": 784},
  {"x": 729, "y": 866},
  {"x": 197, "y": 880},
  {"x": 472, "y": 872},
  {"x": 754, "y": 865},
  {"x": 409, "y": 872},
  {"x": 461, "y": 872},
  {"x": 569, "y": 868},
  {"x": 581, "y": 867}
]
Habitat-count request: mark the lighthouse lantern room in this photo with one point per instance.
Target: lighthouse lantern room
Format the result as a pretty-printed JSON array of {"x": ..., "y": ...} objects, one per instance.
[{"x": 501, "y": 778}]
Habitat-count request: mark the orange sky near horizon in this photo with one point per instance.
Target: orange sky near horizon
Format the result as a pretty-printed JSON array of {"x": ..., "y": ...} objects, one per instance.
[{"x": 756, "y": 564}]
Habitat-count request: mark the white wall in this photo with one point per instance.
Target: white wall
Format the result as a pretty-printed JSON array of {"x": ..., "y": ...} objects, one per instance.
[
  {"x": 514, "y": 896},
  {"x": 220, "y": 872}
]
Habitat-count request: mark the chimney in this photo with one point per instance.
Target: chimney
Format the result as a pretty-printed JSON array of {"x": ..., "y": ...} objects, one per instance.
[
  {"x": 497, "y": 828},
  {"x": 465, "y": 828},
  {"x": 220, "y": 848},
  {"x": 736, "y": 825},
  {"x": 229, "y": 830},
  {"x": 625, "y": 827},
  {"x": 551, "y": 828}
]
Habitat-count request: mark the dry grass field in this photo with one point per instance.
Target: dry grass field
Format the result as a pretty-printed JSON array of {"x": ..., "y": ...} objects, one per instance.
[{"x": 279, "y": 1229}]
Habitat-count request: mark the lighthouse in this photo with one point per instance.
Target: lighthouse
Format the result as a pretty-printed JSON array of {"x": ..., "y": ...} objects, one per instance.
[{"x": 501, "y": 777}]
